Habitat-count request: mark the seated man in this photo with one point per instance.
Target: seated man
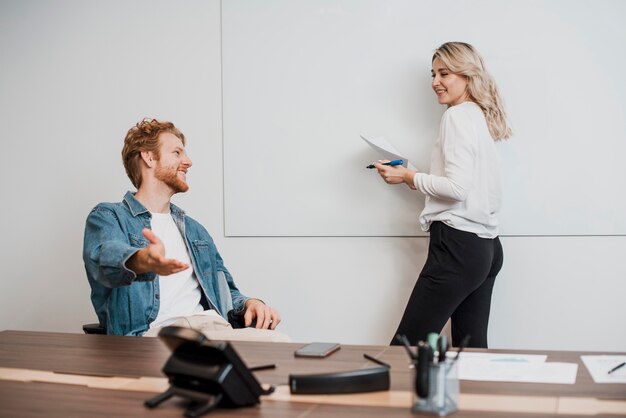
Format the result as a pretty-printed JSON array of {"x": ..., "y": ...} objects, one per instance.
[{"x": 150, "y": 265}]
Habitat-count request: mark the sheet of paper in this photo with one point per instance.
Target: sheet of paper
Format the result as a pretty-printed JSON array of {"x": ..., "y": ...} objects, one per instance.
[
  {"x": 530, "y": 368},
  {"x": 386, "y": 150},
  {"x": 500, "y": 357},
  {"x": 599, "y": 367}
]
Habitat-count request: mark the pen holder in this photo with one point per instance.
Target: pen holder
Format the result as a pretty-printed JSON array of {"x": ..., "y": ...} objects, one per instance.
[{"x": 443, "y": 390}]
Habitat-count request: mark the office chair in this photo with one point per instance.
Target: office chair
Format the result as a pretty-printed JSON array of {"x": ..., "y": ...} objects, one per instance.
[
  {"x": 94, "y": 328},
  {"x": 235, "y": 318}
]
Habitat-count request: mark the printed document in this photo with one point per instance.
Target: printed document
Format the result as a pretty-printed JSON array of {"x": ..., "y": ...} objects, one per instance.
[
  {"x": 387, "y": 151},
  {"x": 514, "y": 368},
  {"x": 599, "y": 367}
]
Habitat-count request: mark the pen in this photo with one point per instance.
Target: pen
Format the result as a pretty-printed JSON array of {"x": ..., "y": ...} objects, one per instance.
[
  {"x": 442, "y": 371},
  {"x": 422, "y": 374},
  {"x": 263, "y": 367},
  {"x": 463, "y": 344},
  {"x": 407, "y": 346},
  {"x": 432, "y": 338},
  {"x": 619, "y": 366},
  {"x": 375, "y": 360},
  {"x": 390, "y": 163},
  {"x": 442, "y": 348}
]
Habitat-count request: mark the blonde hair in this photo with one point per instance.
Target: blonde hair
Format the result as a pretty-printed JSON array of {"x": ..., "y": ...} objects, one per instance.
[
  {"x": 144, "y": 136},
  {"x": 462, "y": 58}
]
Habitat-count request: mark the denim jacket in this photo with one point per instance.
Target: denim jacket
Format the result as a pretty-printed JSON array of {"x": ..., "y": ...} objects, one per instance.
[{"x": 126, "y": 303}]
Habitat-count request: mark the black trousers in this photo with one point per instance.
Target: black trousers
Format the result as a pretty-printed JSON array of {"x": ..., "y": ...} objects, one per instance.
[{"x": 456, "y": 282}]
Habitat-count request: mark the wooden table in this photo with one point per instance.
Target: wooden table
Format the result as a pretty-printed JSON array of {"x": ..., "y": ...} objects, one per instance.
[{"x": 99, "y": 355}]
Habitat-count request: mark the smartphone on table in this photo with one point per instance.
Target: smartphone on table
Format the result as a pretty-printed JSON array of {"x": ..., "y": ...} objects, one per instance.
[{"x": 317, "y": 350}]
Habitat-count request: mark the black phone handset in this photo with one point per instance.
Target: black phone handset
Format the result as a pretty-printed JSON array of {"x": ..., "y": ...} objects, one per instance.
[{"x": 207, "y": 373}]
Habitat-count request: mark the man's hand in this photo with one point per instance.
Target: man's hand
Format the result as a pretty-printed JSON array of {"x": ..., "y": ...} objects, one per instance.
[
  {"x": 152, "y": 258},
  {"x": 266, "y": 317},
  {"x": 395, "y": 174}
]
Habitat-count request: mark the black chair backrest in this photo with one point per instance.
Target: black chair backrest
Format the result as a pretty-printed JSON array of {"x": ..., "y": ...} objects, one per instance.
[{"x": 94, "y": 329}]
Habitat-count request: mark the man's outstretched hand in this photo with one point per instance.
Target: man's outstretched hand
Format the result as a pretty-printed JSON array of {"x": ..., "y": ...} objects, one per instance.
[{"x": 151, "y": 259}]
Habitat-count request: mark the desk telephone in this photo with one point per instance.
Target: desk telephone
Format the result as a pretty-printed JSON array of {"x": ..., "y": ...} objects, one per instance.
[{"x": 207, "y": 373}]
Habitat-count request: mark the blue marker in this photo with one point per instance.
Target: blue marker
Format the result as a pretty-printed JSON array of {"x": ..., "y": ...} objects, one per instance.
[{"x": 391, "y": 163}]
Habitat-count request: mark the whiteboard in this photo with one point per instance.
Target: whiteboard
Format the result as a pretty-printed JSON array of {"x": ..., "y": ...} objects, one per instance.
[{"x": 303, "y": 79}]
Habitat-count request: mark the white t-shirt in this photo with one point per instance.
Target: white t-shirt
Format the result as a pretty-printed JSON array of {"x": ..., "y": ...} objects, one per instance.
[
  {"x": 179, "y": 292},
  {"x": 463, "y": 188}
]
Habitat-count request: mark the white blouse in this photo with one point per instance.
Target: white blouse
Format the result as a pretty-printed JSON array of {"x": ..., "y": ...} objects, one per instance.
[{"x": 463, "y": 188}]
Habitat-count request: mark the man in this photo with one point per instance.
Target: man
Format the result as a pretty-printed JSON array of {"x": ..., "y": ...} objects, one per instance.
[{"x": 149, "y": 265}]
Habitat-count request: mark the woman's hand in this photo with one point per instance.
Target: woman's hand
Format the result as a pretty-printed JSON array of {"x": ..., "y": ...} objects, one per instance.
[{"x": 395, "y": 174}]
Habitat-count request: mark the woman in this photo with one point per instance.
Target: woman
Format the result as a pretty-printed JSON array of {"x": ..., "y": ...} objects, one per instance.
[{"x": 462, "y": 202}]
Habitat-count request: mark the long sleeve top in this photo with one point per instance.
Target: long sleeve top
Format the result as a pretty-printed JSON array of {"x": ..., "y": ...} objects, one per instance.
[
  {"x": 127, "y": 303},
  {"x": 463, "y": 188}
]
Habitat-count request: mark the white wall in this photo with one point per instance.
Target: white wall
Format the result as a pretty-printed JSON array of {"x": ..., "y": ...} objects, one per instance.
[
  {"x": 75, "y": 75},
  {"x": 308, "y": 77}
]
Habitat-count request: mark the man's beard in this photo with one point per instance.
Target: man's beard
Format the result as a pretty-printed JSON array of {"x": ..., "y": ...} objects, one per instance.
[{"x": 169, "y": 176}]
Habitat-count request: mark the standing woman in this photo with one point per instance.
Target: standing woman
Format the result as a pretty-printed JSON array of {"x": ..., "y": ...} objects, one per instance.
[{"x": 463, "y": 195}]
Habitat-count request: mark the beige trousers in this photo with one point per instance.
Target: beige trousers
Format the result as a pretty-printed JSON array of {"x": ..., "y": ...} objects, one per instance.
[{"x": 217, "y": 328}]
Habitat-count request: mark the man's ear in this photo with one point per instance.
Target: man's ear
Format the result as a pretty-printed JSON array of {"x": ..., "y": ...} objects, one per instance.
[{"x": 148, "y": 158}]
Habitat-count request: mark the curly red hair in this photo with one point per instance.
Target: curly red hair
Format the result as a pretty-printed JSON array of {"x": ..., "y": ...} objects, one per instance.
[{"x": 144, "y": 136}]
